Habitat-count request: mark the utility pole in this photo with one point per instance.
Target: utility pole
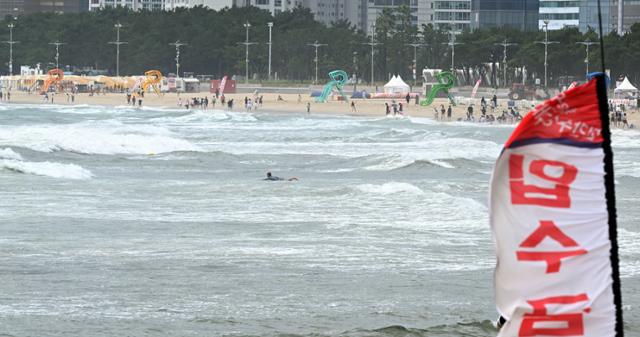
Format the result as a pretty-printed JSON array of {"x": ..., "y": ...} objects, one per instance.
[
  {"x": 57, "y": 44},
  {"x": 11, "y": 43},
  {"x": 415, "y": 60},
  {"x": 546, "y": 44},
  {"x": 316, "y": 45},
  {"x": 505, "y": 44},
  {"x": 373, "y": 44},
  {"x": 270, "y": 25},
  {"x": 246, "y": 44},
  {"x": 355, "y": 72},
  {"x": 178, "y": 44},
  {"x": 117, "y": 42},
  {"x": 452, "y": 43},
  {"x": 587, "y": 44}
]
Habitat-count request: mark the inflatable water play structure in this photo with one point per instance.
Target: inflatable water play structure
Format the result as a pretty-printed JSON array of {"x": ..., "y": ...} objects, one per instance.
[
  {"x": 446, "y": 81},
  {"x": 338, "y": 80},
  {"x": 151, "y": 78},
  {"x": 55, "y": 77}
]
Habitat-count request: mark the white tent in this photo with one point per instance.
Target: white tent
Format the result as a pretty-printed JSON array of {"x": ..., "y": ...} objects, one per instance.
[
  {"x": 625, "y": 87},
  {"x": 396, "y": 86}
]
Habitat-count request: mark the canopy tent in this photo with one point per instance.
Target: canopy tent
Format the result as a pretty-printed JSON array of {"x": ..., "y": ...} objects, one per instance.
[
  {"x": 396, "y": 86},
  {"x": 625, "y": 87}
]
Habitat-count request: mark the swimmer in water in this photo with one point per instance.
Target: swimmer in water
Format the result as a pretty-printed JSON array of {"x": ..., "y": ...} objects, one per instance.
[{"x": 271, "y": 177}]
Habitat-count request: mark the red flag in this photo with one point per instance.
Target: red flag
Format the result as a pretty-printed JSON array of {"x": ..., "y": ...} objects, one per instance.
[{"x": 553, "y": 219}]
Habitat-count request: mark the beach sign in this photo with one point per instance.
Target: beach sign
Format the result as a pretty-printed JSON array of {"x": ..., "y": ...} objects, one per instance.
[{"x": 553, "y": 218}]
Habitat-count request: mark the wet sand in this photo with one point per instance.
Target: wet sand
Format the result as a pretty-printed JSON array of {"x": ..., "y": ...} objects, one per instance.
[{"x": 291, "y": 103}]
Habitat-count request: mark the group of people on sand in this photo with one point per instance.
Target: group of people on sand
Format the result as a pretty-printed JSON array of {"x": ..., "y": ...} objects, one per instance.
[
  {"x": 195, "y": 102},
  {"x": 396, "y": 107},
  {"x": 252, "y": 104},
  {"x": 5, "y": 96},
  {"x": 136, "y": 97},
  {"x": 618, "y": 116}
]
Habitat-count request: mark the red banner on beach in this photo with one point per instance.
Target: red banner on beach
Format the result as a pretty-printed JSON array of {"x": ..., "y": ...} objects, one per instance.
[{"x": 553, "y": 219}]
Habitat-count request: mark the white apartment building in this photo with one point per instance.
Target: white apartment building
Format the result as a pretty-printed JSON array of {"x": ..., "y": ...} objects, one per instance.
[
  {"x": 559, "y": 13},
  {"x": 133, "y": 4},
  {"x": 273, "y": 6},
  {"x": 213, "y": 4},
  {"x": 450, "y": 14},
  {"x": 447, "y": 14}
]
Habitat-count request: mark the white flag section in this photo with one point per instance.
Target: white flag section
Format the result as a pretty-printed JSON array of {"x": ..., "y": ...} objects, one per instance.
[{"x": 556, "y": 273}]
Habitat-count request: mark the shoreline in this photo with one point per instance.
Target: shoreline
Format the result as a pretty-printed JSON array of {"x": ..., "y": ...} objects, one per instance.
[{"x": 291, "y": 103}]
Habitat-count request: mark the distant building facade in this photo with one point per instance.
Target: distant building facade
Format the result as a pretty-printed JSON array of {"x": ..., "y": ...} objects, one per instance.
[
  {"x": 516, "y": 14},
  {"x": 559, "y": 14},
  {"x": 630, "y": 15},
  {"x": 57, "y": 6},
  {"x": 133, "y": 4},
  {"x": 213, "y": 4},
  {"x": 11, "y": 7},
  {"x": 452, "y": 15},
  {"x": 589, "y": 15}
]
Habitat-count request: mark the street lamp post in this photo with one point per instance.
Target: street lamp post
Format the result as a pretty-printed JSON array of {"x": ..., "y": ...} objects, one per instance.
[
  {"x": 316, "y": 45},
  {"x": 355, "y": 72},
  {"x": 117, "y": 42},
  {"x": 505, "y": 44},
  {"x": 373, "y": 44},
  {"x": 246, "y": 44},
  {"x": 57, "y": 44},
  {"x": 452, "y": 43},
  {"x": 546, "y": 44},
  {"x": 178, "y": 44},
  {"x": 415, "y": 60},
  {"x": 270, "y": 25},
  {"x": 11, "y": 43},
  {"x": 587, "y": 44}
]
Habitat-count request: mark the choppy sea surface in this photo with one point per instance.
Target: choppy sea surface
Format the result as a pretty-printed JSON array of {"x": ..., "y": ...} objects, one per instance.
[{"x": 156, "y": 222}]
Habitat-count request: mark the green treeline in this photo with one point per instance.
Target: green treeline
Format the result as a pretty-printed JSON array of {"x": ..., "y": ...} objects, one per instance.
[{"x": 213, "y": 49}]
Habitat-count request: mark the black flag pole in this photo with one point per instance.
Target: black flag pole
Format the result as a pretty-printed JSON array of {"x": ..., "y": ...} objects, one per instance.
[{"x": 609, "y": 183}]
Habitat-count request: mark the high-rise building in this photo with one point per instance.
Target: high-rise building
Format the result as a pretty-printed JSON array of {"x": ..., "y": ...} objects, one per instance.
[
  {"x": 213, "y": 4},
  {"x": 559, "y": 14},
  {"x": 375, "y": 8},
  {"x": 329, "y": 11},
  {"x": 273, "y": 6},
  {"x": 58, "y": 6},
  {"x": 516, "y": 14},
  {"x": 133, "y": 4},
  {"x": 448, "y": 14},
  {"x": 589, "y": 15},
  {"x": 630, "y": 14},
  {"x": 11, "y": 7}
]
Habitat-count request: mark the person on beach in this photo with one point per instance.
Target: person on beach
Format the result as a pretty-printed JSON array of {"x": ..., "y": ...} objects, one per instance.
[
  {"x": 217, "y": 92},
  {"x": 442, "y": 112},
  {"x": 417, "y": 99},
  {"x": 222, "y": 100},
  {"x": 353, "y": 106},
  {"x": 271, "y": 177},
  {"x": 483, "y": 102},
  {"x": 308, "y": 108},
  {"x": 470, "y": 113},
  {"x": 387, "y": 109},
  {"x": 213, "y": 102},
  {"x": 494, "y": 100},
  {"x": 230, "y": 104},
  {"x": 400, "y": 111},
  {"x": 280, "y": 99},
  {"x": 394, "y": 105},
  {"x": 299, "y": 98},
  {"x": 449, "y": 111},
  {"x": 408, "y": 98}
]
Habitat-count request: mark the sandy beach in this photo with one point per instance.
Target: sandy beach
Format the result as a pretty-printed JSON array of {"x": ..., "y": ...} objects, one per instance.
[{"x": 291, "y": 103}]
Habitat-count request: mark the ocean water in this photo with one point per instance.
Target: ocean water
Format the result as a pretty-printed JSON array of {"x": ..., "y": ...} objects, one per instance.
[{"x": 152, "y": 222}]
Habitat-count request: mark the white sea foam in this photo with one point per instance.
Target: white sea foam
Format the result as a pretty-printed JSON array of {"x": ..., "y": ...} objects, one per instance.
[
  {"x": 105, "y": 137},
  {"x": 390, "y": 188},
  {"x": 49, "y": 169},
  {"x": 8, "y": 153}
]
